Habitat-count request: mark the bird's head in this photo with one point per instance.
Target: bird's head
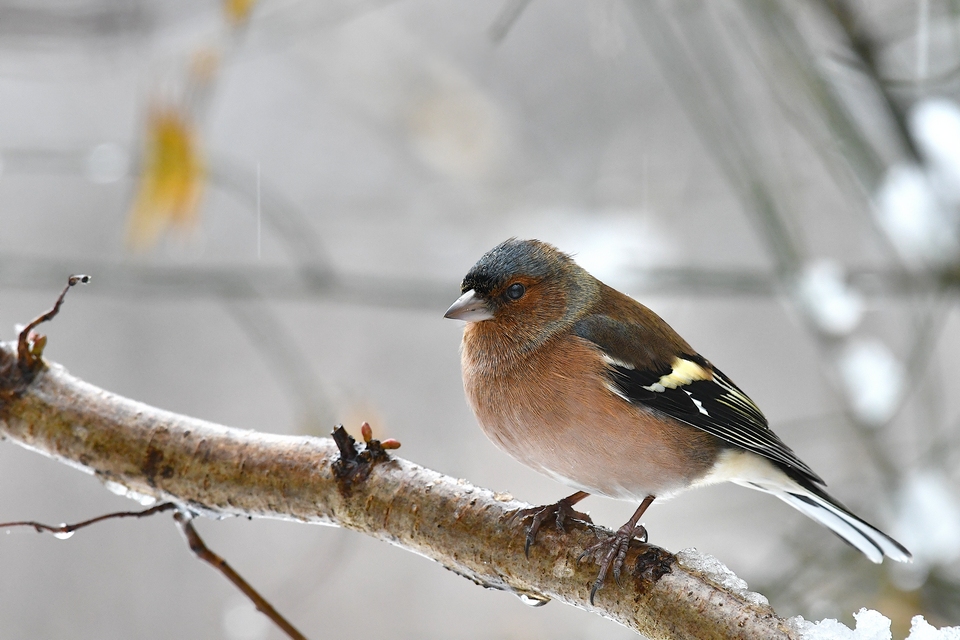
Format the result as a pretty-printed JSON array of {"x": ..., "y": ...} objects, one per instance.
[{"x": 526, "y": 288}]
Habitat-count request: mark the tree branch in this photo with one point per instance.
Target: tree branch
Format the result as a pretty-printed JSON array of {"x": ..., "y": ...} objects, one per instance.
[{"x": 209, "y": 468}]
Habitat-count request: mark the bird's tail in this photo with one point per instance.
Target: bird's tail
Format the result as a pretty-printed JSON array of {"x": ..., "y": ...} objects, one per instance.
[{"x": 817, "y": 504}]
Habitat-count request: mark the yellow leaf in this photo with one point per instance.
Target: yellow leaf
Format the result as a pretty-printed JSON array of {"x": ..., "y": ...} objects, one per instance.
[
  {"x": 238, "y": 11},
  {"x": 171, "y": 179}
]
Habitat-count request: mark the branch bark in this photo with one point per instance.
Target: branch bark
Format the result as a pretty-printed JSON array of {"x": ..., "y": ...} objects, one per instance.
[{"x": 212, "y": 469}]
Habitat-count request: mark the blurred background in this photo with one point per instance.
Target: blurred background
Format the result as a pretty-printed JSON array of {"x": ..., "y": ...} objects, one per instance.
[{"x": 277, "y": 201}]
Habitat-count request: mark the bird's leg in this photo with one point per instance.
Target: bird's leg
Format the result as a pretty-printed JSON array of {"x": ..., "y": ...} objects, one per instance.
[
  {"x": 612, "y": 551},
  {"x": 560, "y": 511}
]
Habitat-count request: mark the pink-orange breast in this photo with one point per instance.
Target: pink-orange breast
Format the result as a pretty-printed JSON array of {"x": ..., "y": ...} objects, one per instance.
[{"x": 552, "y": 409}]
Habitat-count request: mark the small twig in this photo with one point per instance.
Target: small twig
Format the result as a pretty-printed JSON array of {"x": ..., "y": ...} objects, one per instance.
[
  {"x": 203, "y": 552},
  {"x": 70, "y": 528},
  {"x": 25, "y": 354},
  {"x": 193, "y": 539}
]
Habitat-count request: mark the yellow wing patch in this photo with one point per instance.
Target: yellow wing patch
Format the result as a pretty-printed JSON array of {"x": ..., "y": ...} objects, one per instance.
[{"x": 684, "y": 372}]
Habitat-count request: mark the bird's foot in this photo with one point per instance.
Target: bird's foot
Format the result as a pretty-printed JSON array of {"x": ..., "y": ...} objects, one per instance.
[
  {"x": 559, "y": 512},
  {"x": 611, "y": 552}
]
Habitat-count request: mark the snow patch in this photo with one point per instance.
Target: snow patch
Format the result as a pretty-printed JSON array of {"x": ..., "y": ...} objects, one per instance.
[
  {"x": 716, "y": 571},
  {"x": 871, "y": 625}
]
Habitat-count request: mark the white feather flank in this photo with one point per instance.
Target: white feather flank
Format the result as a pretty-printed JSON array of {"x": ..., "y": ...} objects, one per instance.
[{"x": 755, "y": 472}]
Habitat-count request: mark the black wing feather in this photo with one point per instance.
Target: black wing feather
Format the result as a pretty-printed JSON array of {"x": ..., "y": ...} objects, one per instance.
[{"x": 716, "y": 406}]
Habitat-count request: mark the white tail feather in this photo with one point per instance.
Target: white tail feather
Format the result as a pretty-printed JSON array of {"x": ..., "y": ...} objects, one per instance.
[
  {"x": 753, "y": 471},
  {"x": 871, "y": 541}
]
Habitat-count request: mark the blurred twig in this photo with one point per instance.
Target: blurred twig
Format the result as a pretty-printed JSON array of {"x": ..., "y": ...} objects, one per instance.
[
  {"x": 930, "y": 323},
  {"x": 240, "y": 282},
  {"x": 789, "y": 53},
  {"x": 866, "y": 48},
  {"x": 246, "y": 282},
  {"x": 695, "y": 63},
  {"x": 88, "y": 22},
  {"x": 510, "y": 12}
]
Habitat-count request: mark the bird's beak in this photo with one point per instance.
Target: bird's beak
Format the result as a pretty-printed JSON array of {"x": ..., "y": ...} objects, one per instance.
[{"x": 469, "y": 307}]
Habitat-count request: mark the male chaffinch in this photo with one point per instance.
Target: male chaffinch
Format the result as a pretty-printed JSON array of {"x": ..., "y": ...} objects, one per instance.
[{"x": 593, "y": 389}]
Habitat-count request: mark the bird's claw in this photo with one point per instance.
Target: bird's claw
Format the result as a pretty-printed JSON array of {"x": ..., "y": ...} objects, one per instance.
[
  {"x": 611, "y": 553},
  {"x": 560, "y": 512}
]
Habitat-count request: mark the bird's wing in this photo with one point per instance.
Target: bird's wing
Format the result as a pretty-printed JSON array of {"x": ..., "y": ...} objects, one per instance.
[{"x": 687, "y": 388}]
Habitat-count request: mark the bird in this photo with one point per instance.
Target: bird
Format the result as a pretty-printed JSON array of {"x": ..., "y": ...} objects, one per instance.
[{"x": 593, "y": 389}]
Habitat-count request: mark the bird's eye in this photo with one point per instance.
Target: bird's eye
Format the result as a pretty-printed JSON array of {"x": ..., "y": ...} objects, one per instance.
[{"x": 516, "y": 291}]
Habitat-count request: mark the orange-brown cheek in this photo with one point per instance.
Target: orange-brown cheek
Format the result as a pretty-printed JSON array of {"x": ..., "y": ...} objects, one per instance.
[{"x": 530, "y": 318}]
